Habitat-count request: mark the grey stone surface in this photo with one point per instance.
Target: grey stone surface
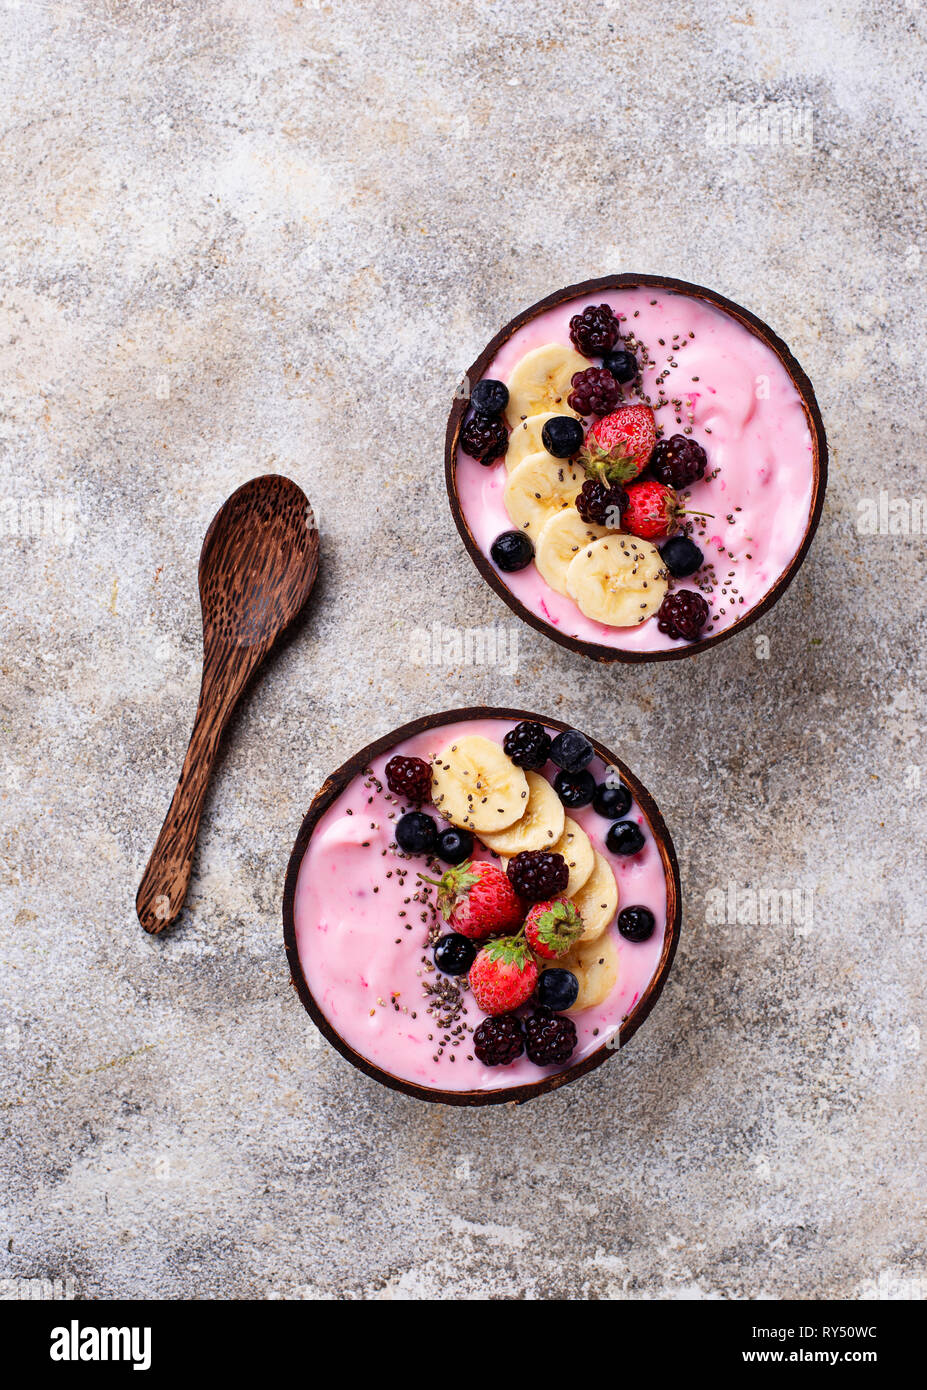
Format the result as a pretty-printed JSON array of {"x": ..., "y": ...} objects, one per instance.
[{"x": 240, "y": 238}]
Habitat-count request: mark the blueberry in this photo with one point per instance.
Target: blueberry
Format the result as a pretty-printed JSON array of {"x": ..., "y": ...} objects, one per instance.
[
  {"x": 636, "y": 923},
  {"x": 571, "y": 751},
  {"x": 490, "y": 397},
  {"x": 681, "y": 556},
  {"x": 454, "y": 846},
  {"x": 416, "y": 833},
  {"x": 454, "y": 954},
  {"x": 557, "y": 989},
  {"x": 562, "y": 436},
  {"x": 575, "y": 788},
  {"x": 622, "y": 365},
  {"x": 612, "y": 802},
  {"x": 512, "y": 551},
  {"x": 624, "y": 837}
]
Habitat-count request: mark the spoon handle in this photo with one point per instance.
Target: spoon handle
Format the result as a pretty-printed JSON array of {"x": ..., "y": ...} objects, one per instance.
[{"x": 163, "y": 888}]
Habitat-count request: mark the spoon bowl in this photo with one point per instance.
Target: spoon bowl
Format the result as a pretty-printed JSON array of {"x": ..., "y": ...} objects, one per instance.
[{"x": 258, "y": 564}]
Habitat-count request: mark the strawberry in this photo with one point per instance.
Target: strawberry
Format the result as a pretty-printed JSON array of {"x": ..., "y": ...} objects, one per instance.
[
  {"x": 653, "y": 510},
  {"x": 619, "y": 445},
  {"x": 503, "y": 976},
  {"x": 551, "y": 928},
  {"x": 477, "y": 899}
]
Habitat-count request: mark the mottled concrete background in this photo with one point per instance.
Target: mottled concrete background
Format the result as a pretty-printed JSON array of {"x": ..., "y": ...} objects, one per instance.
[{"x": 244, "y": 237}]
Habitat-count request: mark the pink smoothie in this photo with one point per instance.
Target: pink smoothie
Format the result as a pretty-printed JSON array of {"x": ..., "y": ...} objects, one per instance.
[
  {"x": 362, "y": 934},
  {"x": 743, "y": 410}
]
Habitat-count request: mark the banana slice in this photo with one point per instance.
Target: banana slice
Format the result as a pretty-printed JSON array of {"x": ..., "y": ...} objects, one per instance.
[
  {"x": 618, "y": 580},
  {"x": 559, "y": 541},
  {"x": 474, "y": 784},
  {"x": 526, "y": 438},
  {"x": 539, "y": 488},
  {"x": 542, "y": 380},
  {"x": 597, "y": 899},
  {"x": 540, "y": 827},
  {"x": 595, "y": 965},
  {"x": 576, "y": 848}
]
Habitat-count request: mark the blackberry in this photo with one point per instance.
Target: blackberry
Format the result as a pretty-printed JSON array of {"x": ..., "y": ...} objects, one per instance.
[
  {"x": 499, "y": 1040},
  {"x": 575, "y": 788},
  {"x": 678, "y": 461},
  {"x": 489, "y": 397},
  {"x": 683, "y": 614},
  {"x": 484, "y": 437},
  {"x": 538, "y": 874},
  {"x": 528, "y": 744},
  {"x": 636, "y": 923},
  {"x": 595, "y": 392},
  {"x": 551, "y": 1038},
  {"x": 595, "y": 331},
  {"x": 409, "y": 778},
  {"x": 602, "y": 504},
  {"x": 622, "y": 365}
]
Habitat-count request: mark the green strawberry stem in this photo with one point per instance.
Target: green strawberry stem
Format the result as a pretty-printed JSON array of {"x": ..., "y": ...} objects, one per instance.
[
  {"x": 511, "y": 950},
  {"x": 560, "y": 925},
  {"x": 613, "y": 465},
  {"x": 452, "y": 885}
]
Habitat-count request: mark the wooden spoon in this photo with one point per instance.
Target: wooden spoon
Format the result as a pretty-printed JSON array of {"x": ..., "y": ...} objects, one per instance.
[{"x": 257, "y": 567}]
